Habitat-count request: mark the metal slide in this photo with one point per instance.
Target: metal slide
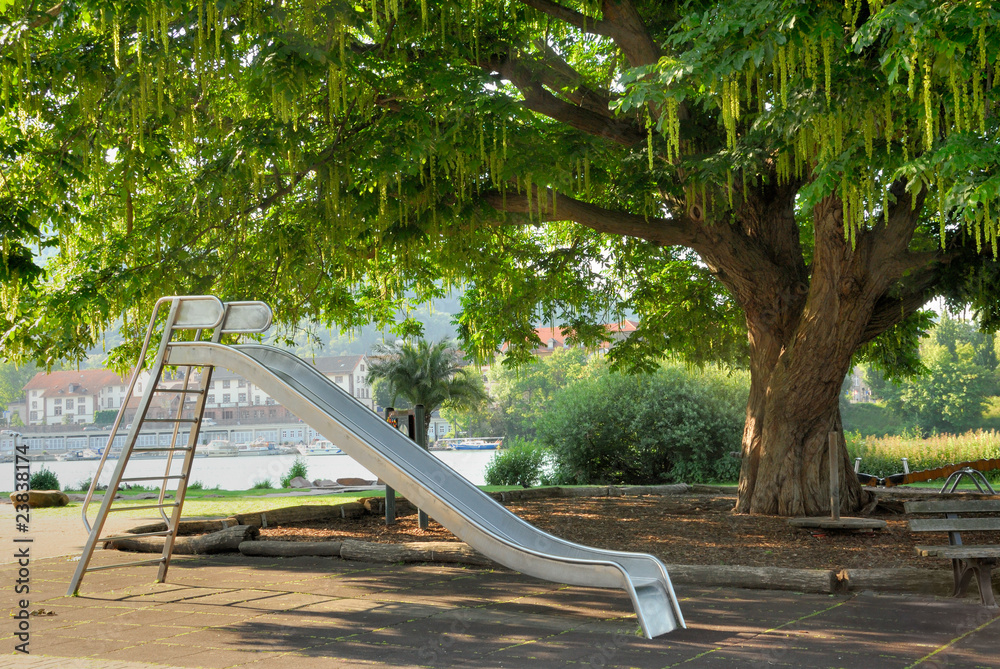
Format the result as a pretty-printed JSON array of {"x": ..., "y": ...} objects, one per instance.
[{"x": 434, "y": 487}]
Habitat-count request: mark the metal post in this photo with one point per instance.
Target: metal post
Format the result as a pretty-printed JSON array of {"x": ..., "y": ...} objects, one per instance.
[
  {"x": 834, "y": 477},
  {"x": 390, "y": 494},
  {"x": 906, "y": 466},
  {"x": 418, "y": 423},
  {"x": 857, "y": 465}
]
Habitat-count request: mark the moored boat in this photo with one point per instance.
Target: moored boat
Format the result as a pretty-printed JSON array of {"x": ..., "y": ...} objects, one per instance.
[
  {"x": 320, "y": 447},
  {"x": 220, "y": 448},
  {"x": 478, "y": 445}
]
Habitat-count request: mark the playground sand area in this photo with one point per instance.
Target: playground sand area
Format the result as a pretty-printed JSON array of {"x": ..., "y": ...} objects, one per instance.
[{"x": 681, "y": 529}]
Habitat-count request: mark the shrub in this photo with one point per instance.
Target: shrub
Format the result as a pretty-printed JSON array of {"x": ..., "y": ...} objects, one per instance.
[
  {"x": 518, "y": 464},
  {"x": 263, "y": 484},
  {"x": 197, "y": 485},
  {"x": 298, "y": 468},
  {"x": 44, "y": 479},
  {"x": 677, "y": 424}
]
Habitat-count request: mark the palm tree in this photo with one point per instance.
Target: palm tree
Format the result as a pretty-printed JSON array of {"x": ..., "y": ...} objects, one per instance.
[{"x": 428, "y": 373}]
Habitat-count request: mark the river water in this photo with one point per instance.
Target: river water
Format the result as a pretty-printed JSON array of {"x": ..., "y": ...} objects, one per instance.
[{"x": 241, "y": 472}]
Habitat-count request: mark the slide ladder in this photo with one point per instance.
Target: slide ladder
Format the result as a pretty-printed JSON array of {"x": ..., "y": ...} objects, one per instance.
[
  {"x": 451, "y": 499},
  {"x": 183, "y": 314}
]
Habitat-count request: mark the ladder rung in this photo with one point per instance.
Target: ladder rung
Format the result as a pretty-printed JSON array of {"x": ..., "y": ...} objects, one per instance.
[
  {"x": 144, "y": 506},
  {"x": 161, "y": 449},
  {"x": 152, "y": 478},
  {"x": 125, "y": 564},
  {"x": 191, "y": 391},
  {"x": 161, "y": 533},
  {"x": 170, "y": 420}
]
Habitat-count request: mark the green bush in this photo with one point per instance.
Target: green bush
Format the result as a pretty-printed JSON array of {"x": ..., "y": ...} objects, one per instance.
[
  {"x": 197, "y": 485},
  {"x": 44, "y": 479},
  {"x": 518, "y": 464},
  {"x": 263, "y": 484},
  {"x": 298, "y": 468},
  {"x": 677, "y": 424}
]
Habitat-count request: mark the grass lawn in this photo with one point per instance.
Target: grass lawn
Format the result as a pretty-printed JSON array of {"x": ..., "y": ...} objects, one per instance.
[{"x": 222, "y": 503}]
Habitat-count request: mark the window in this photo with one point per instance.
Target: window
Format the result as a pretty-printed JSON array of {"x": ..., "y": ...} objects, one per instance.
[
  {"x": 269, "y": 401},
  {"x": 225, "y": 398},
  {"x": 58, "y": 401},
  {"x": 69, "y": 403},
  {"x": 227, "y": 415},
  {"x": 34, "y": 404},
  {"x": 225, "y": 384},
  {"x": 362, "y": 368},
  {"x": 211, "y": 398},
  {"x": 256, "y": 399},
  {"x": 243, "y": 397},
  {"x": 58, "y": 411},
  {"x": 242, "y": 383},
  {"x": 339, "y": 379},
  {"x": 34, "y": 415}
]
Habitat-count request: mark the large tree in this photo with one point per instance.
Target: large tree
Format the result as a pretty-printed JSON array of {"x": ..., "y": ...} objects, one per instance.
[{"x": 781, "y": 182}]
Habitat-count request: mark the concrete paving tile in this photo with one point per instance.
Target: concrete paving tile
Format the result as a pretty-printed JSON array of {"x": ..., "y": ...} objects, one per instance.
[
  {"x": 328, "y": 587},
  {"x": 76, "y": 647},
  {"x": 153, "y": 615},
  {"x": 206, "y": 597},
  {"x": 382, "y": 654},
  {"x": 299, "y": 661},
  {"x": 284, "y": 601},
  {"x": 95, "y": 611},
  {"x": 209, "y": 658},
  {"x": 152, "y": 652},
  {"x": 209, "y": 618}
]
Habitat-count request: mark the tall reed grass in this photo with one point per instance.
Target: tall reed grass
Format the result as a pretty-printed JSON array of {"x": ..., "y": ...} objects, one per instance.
[{"x": 882, "y": 456}]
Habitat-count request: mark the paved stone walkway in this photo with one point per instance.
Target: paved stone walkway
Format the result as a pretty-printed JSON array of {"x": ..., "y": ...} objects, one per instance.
[{"x": 306, "y": 613}]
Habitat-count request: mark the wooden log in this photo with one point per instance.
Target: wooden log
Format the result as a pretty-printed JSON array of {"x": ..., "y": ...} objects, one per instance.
[
  {"x": 290, "y": 548},
  {"x": 930, "y": 581},
  {"x": 769, "y": 578},
  {"x": 223, "y": 541},
  {"x": 186, "y": 528},
  {"x": 414, "y": 551},
  {"x": 376, "y": 506},
  {"x": 298, "y": 514}
]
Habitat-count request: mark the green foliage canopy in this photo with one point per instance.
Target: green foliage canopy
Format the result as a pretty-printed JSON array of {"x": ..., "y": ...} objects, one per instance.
[{"x": 564, "y": 159}]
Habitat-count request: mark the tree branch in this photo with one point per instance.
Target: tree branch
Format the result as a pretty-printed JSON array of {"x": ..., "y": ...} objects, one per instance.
[
  {"x": 571, "y": 16},
  {"x": 537, "y": 99},
  {"x": 663, "y": 231},
  {"x": 630, "y": 33},
  {"x": 48, "y": 15},
  {"x": 889, "y": 311},
  {"x": 556, "y": 74}
]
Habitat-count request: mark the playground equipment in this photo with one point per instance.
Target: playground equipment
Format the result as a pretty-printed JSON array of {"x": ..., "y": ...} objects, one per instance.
[{"x": 427, "y": 482}]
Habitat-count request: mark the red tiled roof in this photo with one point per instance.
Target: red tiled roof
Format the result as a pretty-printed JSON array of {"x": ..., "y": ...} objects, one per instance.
[
  {"x": 90, "y": 381},
  {"x": 546, "y": 334}
]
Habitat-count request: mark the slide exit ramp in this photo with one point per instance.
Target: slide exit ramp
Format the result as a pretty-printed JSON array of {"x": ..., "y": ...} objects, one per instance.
[{"x": 431, "y": 485}]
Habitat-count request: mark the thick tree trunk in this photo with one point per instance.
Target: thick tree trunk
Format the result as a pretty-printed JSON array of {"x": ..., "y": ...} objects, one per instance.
[
  {"x": 800, "y": 354},
  {"x": 786, "y": 450}
]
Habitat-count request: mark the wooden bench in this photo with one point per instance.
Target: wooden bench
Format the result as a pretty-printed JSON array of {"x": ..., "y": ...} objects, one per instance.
[{"x": 968, "y": 561}]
